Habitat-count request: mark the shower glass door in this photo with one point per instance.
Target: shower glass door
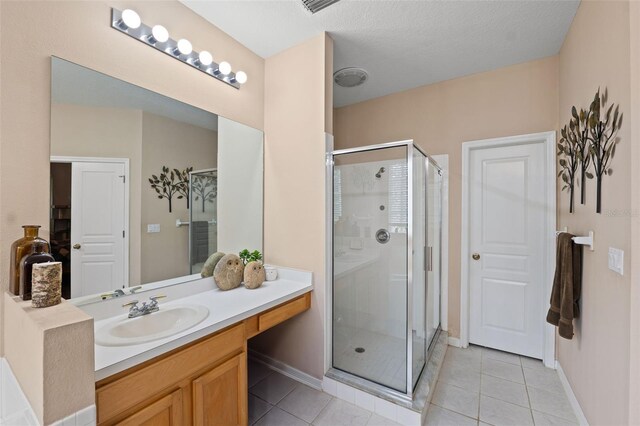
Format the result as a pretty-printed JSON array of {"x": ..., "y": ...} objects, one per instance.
[
  {"x": 370, "y": 234},
  {"x": 419, "y": 337},
  {"x": 203, "y": 225}
]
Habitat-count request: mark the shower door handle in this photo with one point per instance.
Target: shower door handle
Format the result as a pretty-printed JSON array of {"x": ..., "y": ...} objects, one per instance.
[
  {"x": 429, "y": 258},
  {"x": 383, "y": 236}
]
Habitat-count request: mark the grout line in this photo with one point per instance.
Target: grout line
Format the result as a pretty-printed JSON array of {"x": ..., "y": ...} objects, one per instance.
[
  {"x": 265, "y": 413},
  {"x": 314, "y": 419},
  {"x": 322, "y": 411},
  {"x": 526, "y": 389}
]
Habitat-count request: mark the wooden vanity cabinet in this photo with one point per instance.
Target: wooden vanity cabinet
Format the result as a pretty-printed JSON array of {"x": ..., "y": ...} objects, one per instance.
[
  {"x": 203, "y": 383},
  {"x": 221, "y": 394},
  {"x": 165, "y": 411}
]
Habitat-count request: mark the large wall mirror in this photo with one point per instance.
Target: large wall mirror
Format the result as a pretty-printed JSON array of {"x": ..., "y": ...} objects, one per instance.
[{"x": 144, "y": 187}]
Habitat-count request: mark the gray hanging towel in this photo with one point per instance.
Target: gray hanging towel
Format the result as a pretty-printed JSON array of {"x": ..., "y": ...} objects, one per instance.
[{"x": 567, "y": 284}]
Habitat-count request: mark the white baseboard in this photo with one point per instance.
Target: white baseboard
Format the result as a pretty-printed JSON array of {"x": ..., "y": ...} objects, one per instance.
[
  {"x": 454, "y": 341},
  {"x": 287, "y": 370},
  {"x": 572, "y": 397}
]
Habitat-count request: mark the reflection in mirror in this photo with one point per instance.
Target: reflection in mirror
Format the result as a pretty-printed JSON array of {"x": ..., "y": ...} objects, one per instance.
[{"x": 144, "y": 188}]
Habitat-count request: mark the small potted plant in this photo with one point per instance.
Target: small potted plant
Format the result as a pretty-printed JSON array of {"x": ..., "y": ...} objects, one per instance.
[{"x": 254, "y": 274}]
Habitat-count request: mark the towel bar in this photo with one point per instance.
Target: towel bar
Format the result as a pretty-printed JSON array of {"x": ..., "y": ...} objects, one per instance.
[
  {"x": 180, "y": 223},
  {"x": 585, "y": 241}
]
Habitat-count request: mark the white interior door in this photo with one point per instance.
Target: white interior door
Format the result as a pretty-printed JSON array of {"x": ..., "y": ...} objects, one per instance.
[
  {"x": 507, "y": 248},
  {"x": 97, "y": 227}
]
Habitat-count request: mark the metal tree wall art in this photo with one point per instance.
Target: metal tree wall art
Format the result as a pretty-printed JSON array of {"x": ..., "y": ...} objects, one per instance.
[
  {"x": 579, "y": 127},
  {"x": 183, "y": 183},
  {"x": 205, "y": 188},
  {"x": 568, "y": 149},
  {"x": 603, "y": 138},
  {"x": 165, "y": 184}
]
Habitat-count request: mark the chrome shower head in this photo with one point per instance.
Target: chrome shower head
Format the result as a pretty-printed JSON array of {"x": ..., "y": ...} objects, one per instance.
[{"x": 380, "y": 172}]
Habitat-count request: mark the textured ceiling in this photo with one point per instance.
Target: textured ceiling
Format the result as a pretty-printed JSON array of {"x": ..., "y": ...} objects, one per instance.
[{"x": 402, "y": 44}]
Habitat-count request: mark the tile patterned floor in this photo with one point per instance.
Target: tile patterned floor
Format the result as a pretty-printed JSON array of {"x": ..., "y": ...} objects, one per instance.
[
  {"x": 476, "y": 386},
  {"x": 276, "y": 400},
  {"x": 484, "y": 386}
]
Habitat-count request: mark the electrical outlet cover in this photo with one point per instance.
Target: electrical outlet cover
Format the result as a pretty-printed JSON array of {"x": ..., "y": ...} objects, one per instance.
[
  {"x": 616, "y": 260},
  {"x": 153, "y": 228}
]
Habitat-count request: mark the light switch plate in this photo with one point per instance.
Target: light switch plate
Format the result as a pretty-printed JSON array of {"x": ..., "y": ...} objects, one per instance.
[
  {"x": 616, "y": 260},
  {"x": 152, "y": 228}
]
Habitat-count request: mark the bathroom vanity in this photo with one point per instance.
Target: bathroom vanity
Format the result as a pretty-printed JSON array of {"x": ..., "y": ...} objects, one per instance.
[{"x": 200, "y": 374}]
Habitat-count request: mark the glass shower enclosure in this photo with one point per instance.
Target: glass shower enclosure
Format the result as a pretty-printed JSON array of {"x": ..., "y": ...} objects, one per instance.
[
  {"x": 203, "y": 229},
  {"x": 386, "y": 219}
]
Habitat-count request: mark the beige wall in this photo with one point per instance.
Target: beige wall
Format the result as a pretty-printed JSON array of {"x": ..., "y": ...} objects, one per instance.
[
  {"x": 634, "y": 116},
  {"x": 80, "y": 32},
  {"x": 83, "y": 131},
  {"x": 509, "y": 101},
  {"x": 176, "y": 145},
  {"x": 596, "y": 361},
  {"x": 295, "y": 121}
]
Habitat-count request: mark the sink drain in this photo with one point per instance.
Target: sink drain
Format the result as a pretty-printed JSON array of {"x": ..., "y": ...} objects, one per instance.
[{"x": 359, "y": 350}]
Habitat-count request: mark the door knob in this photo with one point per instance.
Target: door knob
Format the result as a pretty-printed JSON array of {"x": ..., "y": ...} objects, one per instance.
[
  {"x": 475, "y": 256},
  {"x": 77, "y": 246}
]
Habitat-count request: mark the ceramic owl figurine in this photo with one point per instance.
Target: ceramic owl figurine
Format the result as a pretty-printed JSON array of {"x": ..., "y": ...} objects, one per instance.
[
  {"x": 254, "y": 275},
  {"x": 210, "y": 264},
  {"x": 228, "y": 272}
]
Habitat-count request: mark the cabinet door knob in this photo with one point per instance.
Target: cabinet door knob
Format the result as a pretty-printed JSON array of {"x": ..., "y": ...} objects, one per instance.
[
  {"x": 475, "y": 256},
  {"x": 77, "y": 246}
]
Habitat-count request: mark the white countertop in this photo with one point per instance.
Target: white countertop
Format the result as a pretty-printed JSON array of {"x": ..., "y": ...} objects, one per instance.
[{"x": 225, "y": 308}]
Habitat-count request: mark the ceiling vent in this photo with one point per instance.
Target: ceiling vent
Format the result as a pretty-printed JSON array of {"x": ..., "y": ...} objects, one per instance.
[
  {"x": 350, "y": 77},
  {"x": 314, "y": 6}
]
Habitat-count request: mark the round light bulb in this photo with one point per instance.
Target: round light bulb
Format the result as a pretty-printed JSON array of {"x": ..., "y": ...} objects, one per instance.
[
  {"x": 160, "y": 33},
  {"x": 184, "y": 46},
  {"x": 224, "y": 68},
  {"x": 241, "y": 77},
  {"x": 131, "y": 19},
  {"x": 205, "y": 58}
]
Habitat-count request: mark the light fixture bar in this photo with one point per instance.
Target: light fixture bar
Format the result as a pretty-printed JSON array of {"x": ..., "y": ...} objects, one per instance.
[
  {"x": 180, "y": 49},
  {"x": 315, "y": 6}
]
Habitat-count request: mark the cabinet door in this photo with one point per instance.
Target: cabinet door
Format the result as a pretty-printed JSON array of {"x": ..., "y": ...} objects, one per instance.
[
  {"x": 166, "y": 411},
  {"x": 220, "y": 396}
]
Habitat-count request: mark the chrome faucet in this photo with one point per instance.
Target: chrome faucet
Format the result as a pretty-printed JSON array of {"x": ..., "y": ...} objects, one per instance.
[
  {"x": 115, "y": 293},
  {"x": 136, "y": 310}
]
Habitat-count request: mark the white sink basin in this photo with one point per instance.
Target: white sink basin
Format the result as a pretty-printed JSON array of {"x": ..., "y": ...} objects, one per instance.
[{"x": 158, "y": 325}]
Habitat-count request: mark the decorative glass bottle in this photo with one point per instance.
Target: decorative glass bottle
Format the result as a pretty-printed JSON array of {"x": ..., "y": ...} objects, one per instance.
[
  {"x": 26, "y": 269},
  {"x": 19, "y": 249}
]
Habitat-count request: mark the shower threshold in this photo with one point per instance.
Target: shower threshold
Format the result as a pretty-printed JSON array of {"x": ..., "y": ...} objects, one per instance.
[{"x": 424, "y": 388}]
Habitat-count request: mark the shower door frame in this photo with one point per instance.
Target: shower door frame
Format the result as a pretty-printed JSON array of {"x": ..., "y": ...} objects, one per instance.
[
  {"x": 211, "y": 169},
  {"x": 343, "y": 376}
]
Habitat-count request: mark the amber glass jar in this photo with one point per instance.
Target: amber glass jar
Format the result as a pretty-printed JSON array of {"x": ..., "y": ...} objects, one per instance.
[
  {"x": 21, "y": 248},
  {"x": 26, "y": 269}
]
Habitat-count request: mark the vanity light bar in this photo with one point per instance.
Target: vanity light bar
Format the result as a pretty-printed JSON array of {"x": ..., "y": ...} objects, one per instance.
[{"x": 128, "y": 22}]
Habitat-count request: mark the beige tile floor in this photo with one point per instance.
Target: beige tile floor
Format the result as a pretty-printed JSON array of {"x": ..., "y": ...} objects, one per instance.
[
  {"x": 475, "y": 386},
  {"x": 276, "y": 400},
  {"x": 484, "y": 386}
]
